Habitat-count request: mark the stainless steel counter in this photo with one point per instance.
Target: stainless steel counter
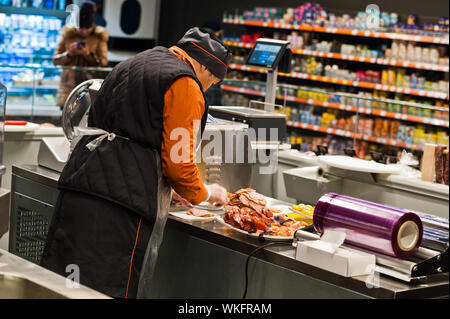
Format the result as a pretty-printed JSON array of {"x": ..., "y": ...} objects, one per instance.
[
  {"x": 283, "y": 257},
  {"x": 22, "y": 279}
]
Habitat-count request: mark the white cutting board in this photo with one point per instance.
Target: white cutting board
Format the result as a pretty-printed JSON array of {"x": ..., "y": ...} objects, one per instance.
[
  {"x": 356, "y": 164},
  {"x": 22, "y": 128}
]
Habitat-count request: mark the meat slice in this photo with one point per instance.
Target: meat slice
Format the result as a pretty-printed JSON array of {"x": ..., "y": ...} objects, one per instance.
[
  {"x": 178, "y": 201},
  {"x": 200, "y": 213},
  {"x": 256, "y": 198}
]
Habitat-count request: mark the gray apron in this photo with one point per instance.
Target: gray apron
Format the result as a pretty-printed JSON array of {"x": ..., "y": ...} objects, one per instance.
[{"x": 164, "y": 199}]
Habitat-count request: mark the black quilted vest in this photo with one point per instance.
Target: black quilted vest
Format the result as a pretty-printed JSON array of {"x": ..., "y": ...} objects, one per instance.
[{"x": 130, "y": 104}]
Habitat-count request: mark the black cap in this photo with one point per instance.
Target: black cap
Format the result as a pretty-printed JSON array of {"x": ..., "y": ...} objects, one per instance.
[
  {"x": 87, "y": 14},
  {"x": 207, "y": 50}
]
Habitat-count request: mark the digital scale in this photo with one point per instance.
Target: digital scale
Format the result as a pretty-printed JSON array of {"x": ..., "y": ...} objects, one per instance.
[{"x": 271, "y": 55}]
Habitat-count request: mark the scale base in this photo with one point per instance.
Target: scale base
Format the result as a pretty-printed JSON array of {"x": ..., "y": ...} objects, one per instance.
[{"x": 53, "y": 153}]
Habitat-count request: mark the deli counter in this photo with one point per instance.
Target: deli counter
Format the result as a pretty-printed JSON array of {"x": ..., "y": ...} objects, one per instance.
[
  {"x": 211, "y": 257},
  {"x": 222, "y": 258},
  {"x": 222, "y": 261}
]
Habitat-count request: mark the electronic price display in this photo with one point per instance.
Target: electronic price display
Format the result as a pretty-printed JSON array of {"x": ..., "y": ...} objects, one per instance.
[{"x": 267, "y": 53}]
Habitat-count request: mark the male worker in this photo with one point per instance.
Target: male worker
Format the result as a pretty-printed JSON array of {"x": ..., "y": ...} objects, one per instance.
[{"x": 113, "y": 190}]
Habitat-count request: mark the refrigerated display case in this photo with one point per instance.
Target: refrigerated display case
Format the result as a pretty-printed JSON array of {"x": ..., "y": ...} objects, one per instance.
[
  {"x": 32, "y": 90},
  {"x": 27, "y": 38}
]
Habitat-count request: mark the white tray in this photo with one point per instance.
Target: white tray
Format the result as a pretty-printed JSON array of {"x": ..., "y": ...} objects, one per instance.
[
  {"x": 356, "y": 164},
  {"x": 22, "y": 128},
  {"x": 184, "y": 215}
]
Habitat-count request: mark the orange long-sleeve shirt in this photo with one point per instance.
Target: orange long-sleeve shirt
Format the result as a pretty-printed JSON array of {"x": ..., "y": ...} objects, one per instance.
[{"x": 183, "y": 106}]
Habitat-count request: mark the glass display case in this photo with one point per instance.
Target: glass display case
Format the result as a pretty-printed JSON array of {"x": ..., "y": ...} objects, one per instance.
[
  {"x": 32, "y": 90},
  {"x": 28, "y": 38}
]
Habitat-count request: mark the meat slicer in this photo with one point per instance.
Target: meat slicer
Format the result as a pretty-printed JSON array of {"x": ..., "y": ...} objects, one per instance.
[{"x": 54, "y": 151}]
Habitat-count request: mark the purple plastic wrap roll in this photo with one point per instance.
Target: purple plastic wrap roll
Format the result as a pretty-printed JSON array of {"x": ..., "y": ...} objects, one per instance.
[{"x": 384, "y": 229}]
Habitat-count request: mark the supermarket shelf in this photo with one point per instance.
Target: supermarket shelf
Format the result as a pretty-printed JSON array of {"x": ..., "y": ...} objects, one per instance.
[
  {"x": 34, "y": 11},
  {"x": 347, "y": 134},
  {"x": 367, "y": 85},
  {"x": 38, "y": 87},
  {"x": 343, "y": 107},
  {"x": 16, "y": 109},
  {"x": 359, "y": 33},
  {"x": 355, "y": 58}
]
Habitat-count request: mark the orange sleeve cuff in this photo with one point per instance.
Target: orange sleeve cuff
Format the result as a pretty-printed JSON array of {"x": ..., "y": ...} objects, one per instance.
[{"x": 183, "y": 110}]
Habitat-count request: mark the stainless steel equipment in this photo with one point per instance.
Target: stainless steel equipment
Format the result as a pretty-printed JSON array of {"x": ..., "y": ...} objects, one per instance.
[
  {"x": 54, "y": 151},
  {"x": 307, "y": 185},
  {"x": 4, "y": 194},
  {"x": 218, "y": 160},
  {"x": 384, "y": 184},
  {"x": 21, "y": 279},
  {"x": 269, "y": 54},
  {"x": 259, "y": 120},
  {"x": 425, "y": 265},
  {"x": 2, "y": 128}
]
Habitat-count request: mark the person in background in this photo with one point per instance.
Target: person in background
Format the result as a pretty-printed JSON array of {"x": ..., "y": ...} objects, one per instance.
[
  {"x": 83, "y": 46},
  {"x": 214, "y": 93}
]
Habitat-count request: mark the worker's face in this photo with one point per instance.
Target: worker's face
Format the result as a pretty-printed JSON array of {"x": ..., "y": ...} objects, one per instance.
[
  {"x": 85, "y": 32},
  {"x": 206, "y": 78}
]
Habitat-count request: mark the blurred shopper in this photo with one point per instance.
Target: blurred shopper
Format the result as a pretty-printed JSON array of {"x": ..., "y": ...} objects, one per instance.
[
  {"x": 83, "y": 46},
  {"x": 214, "y": 93},
  {"x": 116, "y": 187}
]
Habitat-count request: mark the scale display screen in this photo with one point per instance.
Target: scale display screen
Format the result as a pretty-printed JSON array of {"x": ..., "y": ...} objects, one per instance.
[{"x": 265, "y": 54}]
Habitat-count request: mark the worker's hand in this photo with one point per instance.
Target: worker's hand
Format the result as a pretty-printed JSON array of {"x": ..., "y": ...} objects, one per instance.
[
  {"x": 177, "y": 200},
  {"x": 218, "y": 195}
]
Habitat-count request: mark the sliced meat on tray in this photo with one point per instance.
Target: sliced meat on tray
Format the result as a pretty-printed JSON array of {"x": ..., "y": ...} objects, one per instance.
[{"x": 247, "y": 210}]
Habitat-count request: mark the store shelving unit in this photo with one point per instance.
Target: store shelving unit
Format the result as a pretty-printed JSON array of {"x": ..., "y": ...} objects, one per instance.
[
  {"x": 413, "y": 93},
  {"x": 34, "y": 11},
  {"x": 353, "y": 135},
  {"x": 358, "y": 33},
  {"x": 343, "y": 107},
  {"x": 355, "y": 58},
  {"x": 365, "y": 85}
]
